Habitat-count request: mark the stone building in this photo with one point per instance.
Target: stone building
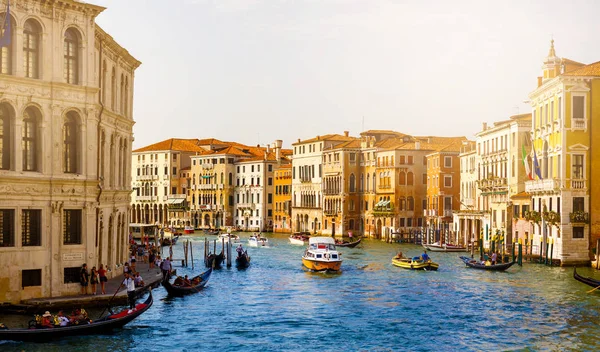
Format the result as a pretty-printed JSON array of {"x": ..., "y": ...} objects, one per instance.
[
  {"x": 66, "y": 130},
  {"x": 282, "y": 212}
]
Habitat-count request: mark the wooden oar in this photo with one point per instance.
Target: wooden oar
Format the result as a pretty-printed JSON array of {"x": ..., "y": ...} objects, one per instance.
[{"x": 594, "y": 289}]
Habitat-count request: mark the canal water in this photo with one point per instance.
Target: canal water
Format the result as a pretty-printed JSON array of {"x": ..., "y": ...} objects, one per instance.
[{"x": 275, "y": 305}]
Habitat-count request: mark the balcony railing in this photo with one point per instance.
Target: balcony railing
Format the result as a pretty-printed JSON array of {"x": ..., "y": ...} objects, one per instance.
[
  {"x": 546, "y": 185},
  {"x": 580, "y": 217},
  {"x": 246, "y": 205},
  {"x": 447, "y": 213},
  {"x": 578, "y": 123},
  {"x": 330, "y": 212},
  {"x": 578, "y": 184}
]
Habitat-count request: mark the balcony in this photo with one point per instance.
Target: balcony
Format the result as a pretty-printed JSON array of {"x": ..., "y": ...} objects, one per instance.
[
  {"x": 578, "y": 184},
  {"x": 146, "y": 198},
  {"x": 330, "y": 212},
  {"x": 492, "y": 183},
  {"x": 246, "y": 205},
  {"x": 207, "y": 166},
  {"x": 206, "y": 187},
  {"x": 580, "y": 217},
  {"x": 447, "y": 213},
  {"x": 305, "y": 179},
  {"x": 578, "y": 123},
  {"x": 206, "y": 207},
  {"x": 468, "y": 202},
  {"x": 542, "y": 186},
  {"x": 147, "y": 178}
]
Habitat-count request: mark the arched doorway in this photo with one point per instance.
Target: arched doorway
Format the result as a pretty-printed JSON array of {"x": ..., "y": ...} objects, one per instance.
[
  {"x": 206, "y": 220},
  {"x": 333, "y": 227},
  {"x": 378, "y": 228}
]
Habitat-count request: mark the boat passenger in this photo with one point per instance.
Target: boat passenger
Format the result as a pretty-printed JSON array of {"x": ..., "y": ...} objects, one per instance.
[
  {"x": 62, "y": 320},
  {"x": 425, "y": 257},
  {"x": 47, "y": 320},
  {"x": 77, "y": 317},
  {"x": 186, "y": 282},
  {"x": 239, "y": 250},
  {"x": 494, "y": 258},
  {"x": 138, "y": 281},
  {"x": 400, "y": 255}
]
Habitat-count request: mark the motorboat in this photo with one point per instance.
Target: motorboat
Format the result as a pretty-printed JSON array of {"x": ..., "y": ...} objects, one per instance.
[
  {"x": 229, "y": 237},
  {"x": 256, "y": 240},
  {"x": 414, "y": 263},
  {"x": 444, "y": 247},
  {"x": 321, "y": 255},
  {"x": 299, "y": 238},
  {"x": 188, "y": 229}
]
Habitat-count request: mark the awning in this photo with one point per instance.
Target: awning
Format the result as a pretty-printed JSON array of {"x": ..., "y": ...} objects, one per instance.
[
  {"x": 382, "y": 203},
  {"x": 175, "y": 200},
  {"x": 379, "y": 203}
]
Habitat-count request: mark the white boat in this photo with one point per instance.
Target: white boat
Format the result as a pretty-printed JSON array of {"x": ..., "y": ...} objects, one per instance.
[
  {"x": 188, "y": 229},
  {"x": 437, "y": 247},
  {"x": 257, "y": 240},
  {"x": 230, "y": 238},
  {"x": 299, "y": 238},
  {"x": 321, "y": 255}
]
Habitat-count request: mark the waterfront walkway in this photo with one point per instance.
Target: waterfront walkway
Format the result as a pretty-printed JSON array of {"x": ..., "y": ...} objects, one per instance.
[{"x": 151, "y": 277}]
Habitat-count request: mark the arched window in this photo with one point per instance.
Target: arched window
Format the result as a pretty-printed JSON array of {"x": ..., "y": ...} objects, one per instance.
[
  {"x": 70, "y": 141},
  {"x": 361, "y": 185},
  {"x": 113, "y": 90},
  {"x": 7, "y": 48},
  {"x": 102, "y": 154},
  {"x": 31, "y": 48},
  {"x": 409, "y": 178},
  {"x": 125, "y": 97},
  {"x": 103, "y": 82},
  {"x": 30, "y": 139},
  {"x": 374, "y": 182},
  {"x": 368, "y": 182},
  {"x": 5, "y": 140},
  {"x": 352, "y": 183},
  {"x": 402, "y": 178},
  {"x": 230, "y": 179},
  {"x": 122, "y": 107},
  {"x": 71, "y": 56},
  {"x": 410, "y": 204}
]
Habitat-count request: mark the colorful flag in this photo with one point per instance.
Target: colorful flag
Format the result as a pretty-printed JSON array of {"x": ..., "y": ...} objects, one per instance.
[
  {"x": 526, "y": 163},
  {"x": 536, "y": 165},
  {"x": 5, "y": 30}
]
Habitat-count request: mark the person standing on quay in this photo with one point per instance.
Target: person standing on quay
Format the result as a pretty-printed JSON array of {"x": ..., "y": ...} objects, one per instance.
[
  {"x": 103, "y": 278},
  {"x": 84, "y": 279},
  {"x": 94, "y": 279},
  {"x": 129, "y": 284}
]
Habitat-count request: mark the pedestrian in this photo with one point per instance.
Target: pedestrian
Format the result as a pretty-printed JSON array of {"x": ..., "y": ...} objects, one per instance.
[
  {"x": 151, "y": 259},
  {"x": 494, "y": 258},
  {"x": 84, "y": 279},
  {"x": 103, "y": 278},
  {"x": 94, "y": 279},
  {"x": 165, "y": 266},
  {"x": 129, "y": 284}
]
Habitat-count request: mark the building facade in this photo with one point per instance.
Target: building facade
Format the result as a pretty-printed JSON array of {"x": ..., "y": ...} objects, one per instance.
[
  {"x": 66, "y": 119},
  {"x": 282, "y": 212}
]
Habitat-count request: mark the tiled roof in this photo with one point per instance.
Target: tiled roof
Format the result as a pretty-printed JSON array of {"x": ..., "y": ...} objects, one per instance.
[
  {"x": 587, "y": 70},
  {"x": 327, "y": 137},
  {"x": 173, "y": 144},
  {"x": 349, "y": 144}
]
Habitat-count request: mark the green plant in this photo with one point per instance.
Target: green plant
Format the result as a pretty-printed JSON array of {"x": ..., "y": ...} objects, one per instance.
[
  {"x": 580, "y": 216},
  {"x": 533, "y": 216}
]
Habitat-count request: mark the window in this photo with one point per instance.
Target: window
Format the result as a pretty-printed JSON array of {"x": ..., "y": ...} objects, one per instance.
[
  {"x": 230, "y": 180},
  {"x": 410, "y": 178},
  {"x": 516, "y": 212},
  {"x": 5, "y": 140},
  {"x": 31, "y": 44},
  {"x": 578, "y": 204},
  {"x": 7, "y": 51},
  {"x": 31, "y": 278},
  {"x": 70, "y": 144},
  {"x": 578, "y": 232},
  {"x": 71, "y": 57},
  {"x": 424, "y": 179},
  {"x": 447, "y": 161},
  {"x": 72, "y": 226},
  {"x": 31, "y": 227},
  {"x": 270, "y": 180},
  {"x": 577, "y": 166},
  {"x": 269, "y": 198},
  {"x": 447, "y": 181},
  {"x": 578, "y": 107},
  {"x": 352, "y": 186},
  {"x": 72, "y": 274},
  {"x": 7, "y": 228},
  {"x": 29, "y": 140},
  {"x": 270, "y": 168},
  {"x": 269, "y": 212},
  {"x": 352, "y": 157},
  {"x": 252, "y": 168},
  {"x": 174, "y": 171}
]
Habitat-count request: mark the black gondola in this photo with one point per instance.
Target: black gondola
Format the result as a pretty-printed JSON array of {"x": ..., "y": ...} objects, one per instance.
[
  {"x": 176, "y": 290},
  {"x": 212, "y": 233},
  {"x": 586, "y": 280},
  {"x": 214, "y": 260},
  {"x": 243, "y": 261},
  {"x": 348, "y": 244},
  {"x": 472, "y": 263},
  {"x": 101, "y": 326}
]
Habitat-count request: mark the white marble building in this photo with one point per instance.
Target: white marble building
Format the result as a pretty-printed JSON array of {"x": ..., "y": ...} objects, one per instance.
[{"x": 66, "y": 90}]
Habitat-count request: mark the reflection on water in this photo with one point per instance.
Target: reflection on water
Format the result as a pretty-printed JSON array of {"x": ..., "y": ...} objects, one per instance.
[{"x": 371, "y": 305}]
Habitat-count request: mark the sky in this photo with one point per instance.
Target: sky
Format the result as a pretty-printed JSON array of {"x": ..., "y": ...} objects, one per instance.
[{"x": 253, "y": 71}]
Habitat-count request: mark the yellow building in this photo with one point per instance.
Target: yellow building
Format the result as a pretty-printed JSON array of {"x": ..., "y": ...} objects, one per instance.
[
  {"x": 564, "y": 105},
  {"x": 282, "y": 202}
]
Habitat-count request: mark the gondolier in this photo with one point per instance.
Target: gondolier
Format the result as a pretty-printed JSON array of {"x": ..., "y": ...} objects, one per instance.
[{"x": 129, "y": 284}]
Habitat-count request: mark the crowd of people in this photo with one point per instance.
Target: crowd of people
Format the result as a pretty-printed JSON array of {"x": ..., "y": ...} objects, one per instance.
[{"x": 77, "y": 317}]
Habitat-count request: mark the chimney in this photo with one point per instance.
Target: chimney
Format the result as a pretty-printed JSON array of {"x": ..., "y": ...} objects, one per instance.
[
  {"x": 298, "y": 140},
  {"x": 346, "y": 133},
  {"x": 268, "y": 148},
  {"x": 485, "y": 126},
  {"x": 277, "y": 146}
]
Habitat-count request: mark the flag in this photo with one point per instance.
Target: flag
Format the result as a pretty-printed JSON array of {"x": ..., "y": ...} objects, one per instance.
[
  {"x": 526, "y": 163},
  {"x": 5, "y": 30},
  {"x": 536, "y": 165}
]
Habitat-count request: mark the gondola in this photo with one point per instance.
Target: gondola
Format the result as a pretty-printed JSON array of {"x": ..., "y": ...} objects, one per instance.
[
  {"x": 242, "y": 261},
  {"x": 212, "y": 233},
  {"x": 101, "y": 326},
  {"x": 470, "y": 262},
  {"x": 348, "y": 244},
  {"x": 586, "y": 280},
  {"x": 214, "y": 260},
  {"x": 176, "y": 290}
]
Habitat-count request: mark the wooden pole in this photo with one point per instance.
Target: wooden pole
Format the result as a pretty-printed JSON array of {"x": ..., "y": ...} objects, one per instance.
[
  {"x": 551, "y": 250},
  {"x": 597, "y": 253},
  {"x": 192, "y": 255},
  {"x": 520, "y": 254}
]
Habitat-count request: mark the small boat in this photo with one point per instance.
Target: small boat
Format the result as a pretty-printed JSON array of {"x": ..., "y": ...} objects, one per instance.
[
  {"x": 472, "y": 263},
  {"x": 299, "y": 238},
  {"x": 243, "y": 260},
  {"x": 257, "y": 240},
  {"x": 586, "y": 280},
  {"x": 347, "y": 244},
  {"x": 415, "y": 263},
  {"x": 170, "y": 241},
  {"x": 211, "y": 232},
  {"x": 228, "y": 237},
  {"x": 178, "y": 289},
  {"x": 214, "y": 260},
  {"x": 321, "y": 255},
  {"x": 445, "y": 247},
  {"x": 103, "y": 325},
  {"x": 188, "y": 229}
]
